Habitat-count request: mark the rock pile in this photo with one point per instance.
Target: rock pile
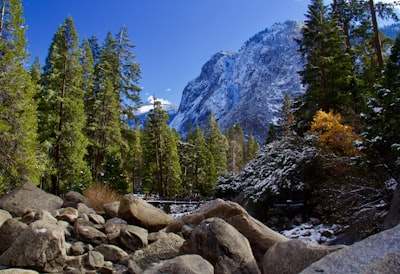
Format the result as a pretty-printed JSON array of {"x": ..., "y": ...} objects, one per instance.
[{"x": 41, "y": 233}]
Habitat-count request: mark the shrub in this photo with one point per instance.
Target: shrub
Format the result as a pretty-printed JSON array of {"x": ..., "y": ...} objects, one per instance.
[
  {"x": 333, "y": 135},
  {"x": 99, "y": 194}
]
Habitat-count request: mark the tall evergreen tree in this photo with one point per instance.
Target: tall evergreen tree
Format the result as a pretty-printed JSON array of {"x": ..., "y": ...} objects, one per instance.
[
  {"x": 128, "y": 74},
  {"x": 133, "y": 156},
  {"x": 328, "y": 71},
  {"x": 364, "y": 42},
  {"x": 115, "y": 94},
  {"x": 162, "y": 173},
  {"x": 381, "y": 118},
  {"x": 61, "y": 112},
  {"x": 218, "y": 146},
  {"x": 18, "y": 139},
  {"x": 236, "y": 150},
  {"x": 252, "y": 147},
  {"x": 199, "y": 167}
]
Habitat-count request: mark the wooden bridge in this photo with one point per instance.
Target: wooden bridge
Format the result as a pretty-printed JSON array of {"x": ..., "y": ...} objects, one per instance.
[{"x": 175, "y": 202}]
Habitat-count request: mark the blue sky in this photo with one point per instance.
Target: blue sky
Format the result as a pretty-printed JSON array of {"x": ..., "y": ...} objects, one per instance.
[{"x": 173, "y": 38}]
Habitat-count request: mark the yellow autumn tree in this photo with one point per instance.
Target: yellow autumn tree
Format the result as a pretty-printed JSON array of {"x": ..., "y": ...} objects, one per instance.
[{"x": 333, "y": 135}]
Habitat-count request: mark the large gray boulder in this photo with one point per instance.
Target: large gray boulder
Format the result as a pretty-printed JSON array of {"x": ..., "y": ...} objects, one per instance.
[
  {"x": 133, "y": 237},
  {"x": 111, "y": 209},
  {"x": 73, "y": 198},
  {"x": 300, "y": 253},
  {"x": 188, "y": 264},
  {"x": 9, "y": 233},
  {"x": 164, "y": 248},
  {"x": 111, "y": 252},
  {"x": 41, "y": 247},
  {"x": 379, "y": 253},
  {"x": 393, "y": 217},
  {"x": 138, "y": 212},
  {"x": 260, "y": 237},
  {"x": 223, "y": 246},
  {"x": 28, "y": 198},
  {"x": 4, "y": 216},
  {"x": 86, "y": 232},
  {"x": 18, "y": 271}
]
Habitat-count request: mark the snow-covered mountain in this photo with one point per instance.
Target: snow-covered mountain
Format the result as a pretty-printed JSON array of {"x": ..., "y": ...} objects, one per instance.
[{"x": 246, "y": 87}]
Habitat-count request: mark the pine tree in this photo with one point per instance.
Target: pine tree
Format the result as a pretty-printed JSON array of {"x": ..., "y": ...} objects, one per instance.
[
  {"x": 328, "y": 71},
  {"x": 381, "y": 118},
  {"x": 198, "y": 166},
  {"x": 133, "y": 156},
  {"x": 19, "y": 161},
  {"x": 252, "y": 147},
  {"x": 364, "y": 42},
  {"x": 115, "y": 95},
  {"x": 128, "y": 74},
  {"x": 61, "y": 112},
  {"x": 161, "y": 168},
  {"x": 236, "y": 150},
  {"x": 218, "y": 146}
]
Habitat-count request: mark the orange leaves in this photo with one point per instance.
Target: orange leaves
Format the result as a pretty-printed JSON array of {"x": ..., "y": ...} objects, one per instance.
[{"x": 333, "y": 135}]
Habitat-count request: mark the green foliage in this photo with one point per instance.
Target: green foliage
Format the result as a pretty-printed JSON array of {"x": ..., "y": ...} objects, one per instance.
[
  {"x": 19, "y": 156},
  {"x": 61, "y": 112},
  {"x": 381, "y": 117},
  {"x": 161, "y": 168},
  {"x": 217, "y": 144},
  {"x": 237, "y": 147},
  {"x": 328, "y": 72}
]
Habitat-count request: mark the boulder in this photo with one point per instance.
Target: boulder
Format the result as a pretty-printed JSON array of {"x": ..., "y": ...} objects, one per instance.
[
  {"x": 114, "y": 225},
  {"x": 17, "y": 271},
  {"x": 84, "y": 231},
  {"x": 68, "y": 214},
  {"x": 380, "y": 251},
  {"x": 111, "y": 252},
  {"x": 9, "y": 232},
  {"x": 36, "y": 215},
  {"x": 223, "y": 246},
  {"x": 221, "y": 209},
  {"x": 29, "y": 198},
  {"x": 193, "y": 264},
  {"x": 260, "y": 236},
  {"x": 93, "y": 260},
  {"x": 4, "y": 216},
  {"x": 73, "y": 198},
  {"x": 162, "y": 249},
  {"x": 97, "y": 219},
  {"x": 393, "y": 217},
  {"x": 84, "y": 209},
  {"x": 138, "y": 212},
  {"x": 133, "y": 237},
  {"x": 111, "y": 209},
  {"x": 301, "y": 255},
  {"x": 77, "y": 249},
  {"x": 41, "y": 246}
]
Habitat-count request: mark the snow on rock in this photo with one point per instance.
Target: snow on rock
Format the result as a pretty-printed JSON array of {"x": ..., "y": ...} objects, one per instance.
[
  {"x": 246, "y": 87},
  {"x": 280, "y": 166},
  {"x": 319, "y": 234}
]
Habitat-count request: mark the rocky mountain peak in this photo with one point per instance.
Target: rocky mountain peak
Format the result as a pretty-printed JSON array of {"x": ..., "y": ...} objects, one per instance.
[{"x": 245, "y": 87}]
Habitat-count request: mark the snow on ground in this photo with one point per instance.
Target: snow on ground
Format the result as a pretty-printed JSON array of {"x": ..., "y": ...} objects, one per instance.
[{"x": 318, "y": 234}]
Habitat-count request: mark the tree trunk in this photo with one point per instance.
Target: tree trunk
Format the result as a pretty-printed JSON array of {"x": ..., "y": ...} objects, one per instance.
[
  {"x": 377, "y": 39},
  {"x": 3, "y": 11}
]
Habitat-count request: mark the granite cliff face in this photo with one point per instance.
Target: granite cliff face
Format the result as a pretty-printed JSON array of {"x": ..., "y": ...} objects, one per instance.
[{"x": 246, "y": 87}]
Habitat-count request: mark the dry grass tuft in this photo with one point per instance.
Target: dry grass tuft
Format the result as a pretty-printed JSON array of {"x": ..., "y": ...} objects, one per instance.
[{"x": 99, "y": 194}]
